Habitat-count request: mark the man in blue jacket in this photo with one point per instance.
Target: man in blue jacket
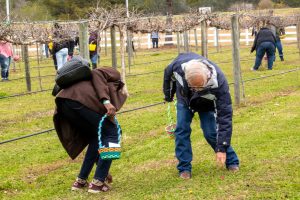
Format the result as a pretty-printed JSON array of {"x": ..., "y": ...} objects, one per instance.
[{"x": 200, "y": 86}]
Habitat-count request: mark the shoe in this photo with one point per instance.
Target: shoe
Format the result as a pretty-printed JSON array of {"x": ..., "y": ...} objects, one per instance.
[
  {"x": 97, "y": 186},
  {"x": 233, "y": 168},
  {"x": 252, "y": 69},
  {"x": 109, "y": 179},
  {"x": 281, "y": 58},
  {"x": 79, "y": 184},
  {"x": 185, "y": 175}
]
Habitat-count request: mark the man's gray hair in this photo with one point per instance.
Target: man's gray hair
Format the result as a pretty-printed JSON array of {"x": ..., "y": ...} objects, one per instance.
[{"x": 196, "y": 68}]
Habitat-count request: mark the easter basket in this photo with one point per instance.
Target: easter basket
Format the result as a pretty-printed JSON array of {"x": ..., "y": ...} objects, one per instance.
[
  {"x": 113, "y": 150},
  {"x": 170, "y": 128}
]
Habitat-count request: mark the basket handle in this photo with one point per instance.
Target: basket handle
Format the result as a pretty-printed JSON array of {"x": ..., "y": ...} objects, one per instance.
[
  {"x": 170, "y": 119},
  {"x": 100, "y": 129}
]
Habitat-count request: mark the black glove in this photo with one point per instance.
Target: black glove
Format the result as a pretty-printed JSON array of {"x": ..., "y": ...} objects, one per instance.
[{"x": 168, "y": 99}]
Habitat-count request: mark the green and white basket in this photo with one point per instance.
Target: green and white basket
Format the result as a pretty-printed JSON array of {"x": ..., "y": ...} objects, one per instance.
[{"x": 110, "y": 152}]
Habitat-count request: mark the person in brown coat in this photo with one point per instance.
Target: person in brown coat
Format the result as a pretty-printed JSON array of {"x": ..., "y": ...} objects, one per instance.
[{"x": 79, "y": 109}]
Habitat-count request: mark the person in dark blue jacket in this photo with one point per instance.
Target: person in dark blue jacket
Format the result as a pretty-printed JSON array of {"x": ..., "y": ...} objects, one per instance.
[
  {"x": 264, "y": 42},
  {"x": 201, "y": 87}
]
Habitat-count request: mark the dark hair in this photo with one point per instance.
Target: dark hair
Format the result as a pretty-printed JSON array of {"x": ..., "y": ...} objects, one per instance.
[{"x": 56, "y": 25}]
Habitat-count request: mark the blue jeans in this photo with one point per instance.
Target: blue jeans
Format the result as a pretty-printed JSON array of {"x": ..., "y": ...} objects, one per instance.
[
  {"x": 183, "y": 130},
  {"x": 4, "y": 62},
  {"x": 61, "y": 57},
  {"x": 155, "y": 42},
  {"x": 47, "y": 50},
  {"x": 94, "y": 58},
  {"x": 265, "y": 47},
  {"x": 279, "y": 47},
  {"x": 92, "y": 157}
]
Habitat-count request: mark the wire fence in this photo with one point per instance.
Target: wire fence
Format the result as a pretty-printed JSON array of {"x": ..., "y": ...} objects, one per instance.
[
  {"x": 151, "y": 105},
  {"x": 128, "y": 75}
]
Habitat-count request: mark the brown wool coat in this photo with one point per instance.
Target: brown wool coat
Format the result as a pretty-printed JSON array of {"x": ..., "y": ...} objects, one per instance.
[{"x": 105, "y": 84}]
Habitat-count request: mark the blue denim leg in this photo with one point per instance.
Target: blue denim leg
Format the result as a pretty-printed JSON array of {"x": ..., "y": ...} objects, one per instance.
[
  {"x": 46, "y": 50},
  {"x": 279, "y": 47},
  {"x": 94, "y": 59},
  {"x": 270, "y": 49},
  {"x": 89, "y": 159},
  {"x": 92, "y": 155},
  {"x": 7, "y": 72},
  {"x": 153, "y": 43},
  {"x": 183, "y": 131},
  {"x": 102, "y": 169},
  {"x": 209, "y": 127},
  {"x": 260, "y": 52},
  {"x": 4, "y": 62},
  {"x": 61, "y": 57}
]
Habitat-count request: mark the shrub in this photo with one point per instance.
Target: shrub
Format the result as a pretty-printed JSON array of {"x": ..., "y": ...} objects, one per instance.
[{"x": 265, "y": 4}]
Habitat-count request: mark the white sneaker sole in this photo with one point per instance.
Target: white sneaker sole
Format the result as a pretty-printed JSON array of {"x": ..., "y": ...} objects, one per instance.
[
  {"x": 76, "y": 189},
  {"x": 94, "y": 191}
]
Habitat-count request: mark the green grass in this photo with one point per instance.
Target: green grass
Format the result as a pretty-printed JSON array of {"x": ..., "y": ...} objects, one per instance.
[{"x": 265, "y": 136}]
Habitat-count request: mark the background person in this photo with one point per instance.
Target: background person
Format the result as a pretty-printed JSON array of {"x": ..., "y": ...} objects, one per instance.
[
  {"x": 93, "y": 49},
  {"x": 201, "y": 87},
  {"x": 154, "y": 37},
  {"x": 264, "y": 42},
  {"x": 80, "y": 108},
  {"x": 280, "y": 34},
  {"x": 62, "y": 47},
  {"x": 6, "y": 53}
]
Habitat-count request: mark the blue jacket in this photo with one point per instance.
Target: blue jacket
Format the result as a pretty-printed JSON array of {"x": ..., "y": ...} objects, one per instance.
[
  {"x": 264, "y": 35},
  {"x": 215, "y": 97}
]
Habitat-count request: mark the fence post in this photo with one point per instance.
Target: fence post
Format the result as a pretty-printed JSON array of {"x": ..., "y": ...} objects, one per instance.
[
  {"x": 196, "y": 39},
  {"x": 27, "y": 67},
  {"x": 139, "y": 40},
  {"x": 298, "y": 35},
  {"x": 178, "y": 42},
  {"x": 38, "y": 62},
  {"x": 129, "y": 48},
  {"x": 83, "y": 40},
  {"x": 235, "y": 38},
  {"x": 98, "y": 47},
  {"x": 247, "y": 36},
  {"x": 123, "y": 30},
  {"x": 105, "y": 42},
  {"x": 217, "y": 40},
  {"x": 204, "y": 39},
  {"x": 113, "y": 46},
  {"x": 186, "y": 41}
]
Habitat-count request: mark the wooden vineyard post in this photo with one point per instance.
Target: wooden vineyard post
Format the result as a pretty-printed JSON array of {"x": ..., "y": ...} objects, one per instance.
[
  {"x": 113, "y": 46},
  {"x": 83, "y": 40},
  {"x": 27, "y": 68},
  {"x": 178, "y": 41},
  {"x": 122, "y": 30},
  {"x": 196, "y": 39},
  {"x": 235, "y": 38},
  {"x": 204, "y": 39},
  {"x": 298, "y": 35}
]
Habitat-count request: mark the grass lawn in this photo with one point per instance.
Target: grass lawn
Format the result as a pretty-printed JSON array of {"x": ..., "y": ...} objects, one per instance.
[{"x": 266, "y": 138}]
